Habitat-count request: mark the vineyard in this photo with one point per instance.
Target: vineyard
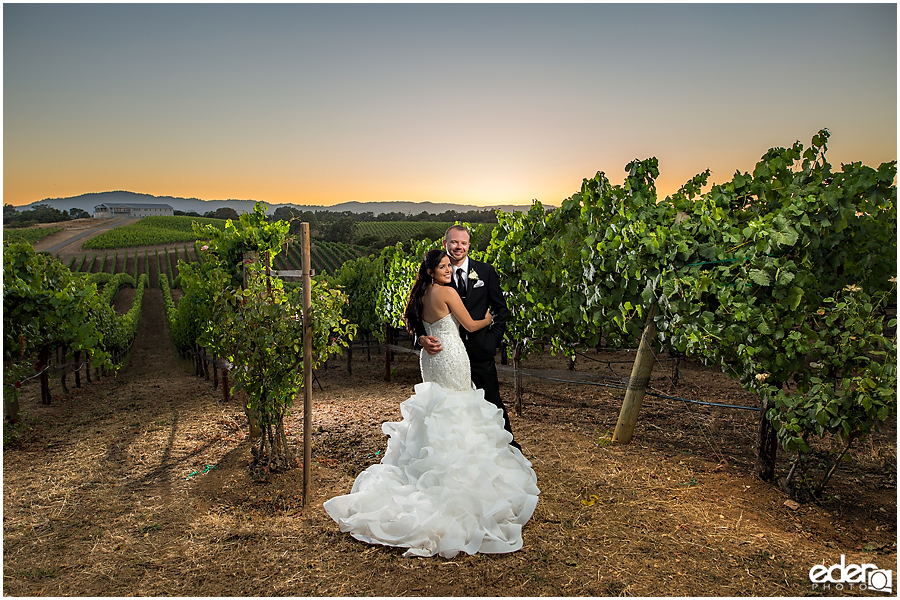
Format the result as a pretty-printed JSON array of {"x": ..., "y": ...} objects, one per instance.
[
  {"x": 784, "y": 277},
  {"x": 325, "y": 257},
  {"x": 30, "y": 235},
  {"x": 135, "y": 262},
  {"x": 150, "y": 231},
  {"x": 167, "y": 508},
  {"x": 402, "y": 230},
  {"x": 158, "y": 233},
  {"x": 773, "y": 293}
]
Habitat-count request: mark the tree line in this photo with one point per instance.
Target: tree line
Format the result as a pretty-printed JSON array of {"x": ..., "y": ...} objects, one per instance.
[
  {"x": 341, "y": 226},
  {"x": 39, "y": 214}
]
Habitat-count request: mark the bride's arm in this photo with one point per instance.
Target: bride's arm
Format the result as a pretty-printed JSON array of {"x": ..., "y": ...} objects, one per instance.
[{"x": 455, "y": 304}]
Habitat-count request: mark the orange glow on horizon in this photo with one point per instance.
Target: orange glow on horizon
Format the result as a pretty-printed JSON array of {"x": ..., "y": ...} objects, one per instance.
[{"x": 481, "y": 193}]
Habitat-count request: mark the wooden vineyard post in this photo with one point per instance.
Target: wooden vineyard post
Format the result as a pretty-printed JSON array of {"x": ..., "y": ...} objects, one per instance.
[
  {"x": 766, "y": 446},
  {"x": 44, "y": 360},
  {"x": 249, "y": 257},
  {"x": 225, "y": 384},
  {"x": 61, "y": 359},
  {"x": 307, "y": 359},
  {"x": 387, "y": 352},
  {"x": 268, "y": 273},
  {"x": 77, "y": 360},
  {"x": 517, "y": 377},
  {"x": 638, "y": 382},
  {"x": 350, "y": 358}
]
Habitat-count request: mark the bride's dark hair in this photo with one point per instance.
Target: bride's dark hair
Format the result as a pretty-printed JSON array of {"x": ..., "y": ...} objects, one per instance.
[{"x": 413, "y": 313}]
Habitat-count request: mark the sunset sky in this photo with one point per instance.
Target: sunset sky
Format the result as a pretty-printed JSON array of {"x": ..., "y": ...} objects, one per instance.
[{"x": 468, "y": 103}]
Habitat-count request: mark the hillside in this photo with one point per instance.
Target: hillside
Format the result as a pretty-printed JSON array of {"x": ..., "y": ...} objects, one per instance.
[{"x": 88, "y": 201}]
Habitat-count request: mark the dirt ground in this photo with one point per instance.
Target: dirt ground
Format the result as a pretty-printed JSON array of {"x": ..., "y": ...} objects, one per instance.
[{"x": 139, "y": 485}]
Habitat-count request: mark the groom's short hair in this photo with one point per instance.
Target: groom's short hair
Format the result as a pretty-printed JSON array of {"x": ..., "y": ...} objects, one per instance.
[{"x": 457, "y": 228}]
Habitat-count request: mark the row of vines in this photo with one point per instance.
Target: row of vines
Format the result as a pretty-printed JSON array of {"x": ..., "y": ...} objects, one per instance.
[
  {"x": 30, "y": 235},
  {"x": 150, "y": 231},
  {"x": 60, "y": 318},
  {"x": 49, "y": 311},
  {"x": 128, "y": 262},
  {"x": 783, "y": 277},
  {"x": 325, "y": 257},
  {"x": 395, "y": 229},
  {"x": 232, "y": 308}
]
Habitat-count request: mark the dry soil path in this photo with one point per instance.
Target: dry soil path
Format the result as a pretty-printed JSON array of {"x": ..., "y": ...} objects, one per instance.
[{"x": 70, "y": 236}]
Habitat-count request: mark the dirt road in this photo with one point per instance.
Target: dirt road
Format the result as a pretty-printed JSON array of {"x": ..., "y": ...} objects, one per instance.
[{"x": 68, "y": 241}]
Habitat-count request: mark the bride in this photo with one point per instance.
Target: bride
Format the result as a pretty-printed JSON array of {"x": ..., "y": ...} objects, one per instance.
[{"x": 449, "y": 481}]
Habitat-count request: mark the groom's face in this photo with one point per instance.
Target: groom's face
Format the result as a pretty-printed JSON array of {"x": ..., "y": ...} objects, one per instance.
[{"x": 457, "y": 246}]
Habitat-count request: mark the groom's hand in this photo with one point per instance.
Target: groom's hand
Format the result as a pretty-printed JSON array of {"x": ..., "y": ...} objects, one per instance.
[{"x": 430, "y": 344}]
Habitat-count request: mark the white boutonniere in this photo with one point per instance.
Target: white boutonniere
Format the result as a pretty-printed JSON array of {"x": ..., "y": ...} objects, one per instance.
[{"x": 473, "y": 276}]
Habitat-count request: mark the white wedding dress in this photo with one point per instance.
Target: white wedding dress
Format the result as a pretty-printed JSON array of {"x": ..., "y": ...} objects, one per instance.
[{"x": 449, "y": 480}]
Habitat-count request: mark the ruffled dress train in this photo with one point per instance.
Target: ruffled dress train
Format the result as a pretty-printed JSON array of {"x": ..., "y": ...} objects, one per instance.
[{"x": 449, "y": 481}]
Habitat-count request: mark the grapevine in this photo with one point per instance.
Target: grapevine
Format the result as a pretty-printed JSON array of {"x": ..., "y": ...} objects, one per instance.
[{"x": 736, "y": 276}]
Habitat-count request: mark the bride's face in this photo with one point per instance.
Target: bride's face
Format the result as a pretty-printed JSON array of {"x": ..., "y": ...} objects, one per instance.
[{"x": 443, "y": 272}]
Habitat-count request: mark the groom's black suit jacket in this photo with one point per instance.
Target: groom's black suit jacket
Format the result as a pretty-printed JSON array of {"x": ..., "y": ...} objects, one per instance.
[{"x": 482, "y": 345}]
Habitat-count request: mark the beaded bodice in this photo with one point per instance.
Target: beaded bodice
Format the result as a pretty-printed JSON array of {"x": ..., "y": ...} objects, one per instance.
[{"x": 450, "y": 366}]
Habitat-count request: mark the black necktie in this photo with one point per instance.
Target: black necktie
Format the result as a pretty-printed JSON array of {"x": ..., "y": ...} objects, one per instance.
[{"x": 460, "y": 283}]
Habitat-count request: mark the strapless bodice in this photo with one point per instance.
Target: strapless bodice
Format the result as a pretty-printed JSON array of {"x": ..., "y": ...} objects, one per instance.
[{"x": 450, "y": 366}]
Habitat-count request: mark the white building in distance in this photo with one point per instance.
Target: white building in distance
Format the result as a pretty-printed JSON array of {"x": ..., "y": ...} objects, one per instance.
[{"x": 109, "y": 210}]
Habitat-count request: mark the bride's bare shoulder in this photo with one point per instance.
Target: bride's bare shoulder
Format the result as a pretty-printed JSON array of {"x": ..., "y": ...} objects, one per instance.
[{"x": 442, "y": 291}]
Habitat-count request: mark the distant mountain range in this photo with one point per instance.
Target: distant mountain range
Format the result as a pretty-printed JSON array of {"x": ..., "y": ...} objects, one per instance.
[{"x": 87, "y": 202}]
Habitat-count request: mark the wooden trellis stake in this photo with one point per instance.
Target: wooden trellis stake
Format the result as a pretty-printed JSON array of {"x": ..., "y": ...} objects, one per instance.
[
  {"x": 388, "y": 340},
  {"x": 517, "y": 377},
  {"x": 307, "y": 358},
  {"x": 638, "y": 382}
]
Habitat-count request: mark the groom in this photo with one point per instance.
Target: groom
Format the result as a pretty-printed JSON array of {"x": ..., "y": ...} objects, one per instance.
[{"x": 479, "y": 288}]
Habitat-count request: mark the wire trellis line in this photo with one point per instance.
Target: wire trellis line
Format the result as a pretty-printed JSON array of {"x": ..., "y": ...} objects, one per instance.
[
  {"x": 625, "y": 387},
  {"x": 622, "y": 386}
]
